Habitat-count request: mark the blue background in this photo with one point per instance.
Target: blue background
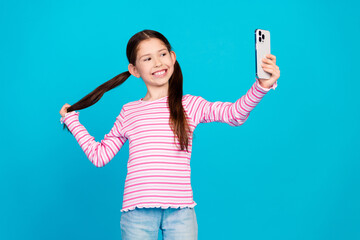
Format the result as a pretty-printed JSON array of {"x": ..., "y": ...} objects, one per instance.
[{"x": 290, "y": 172}]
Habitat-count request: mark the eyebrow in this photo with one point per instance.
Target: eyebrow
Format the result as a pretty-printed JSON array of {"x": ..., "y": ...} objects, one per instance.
[{"x": 149, "y": 53}]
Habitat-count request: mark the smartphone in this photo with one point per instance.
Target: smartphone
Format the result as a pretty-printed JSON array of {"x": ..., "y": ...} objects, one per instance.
[{"x": 262, "y": 47}]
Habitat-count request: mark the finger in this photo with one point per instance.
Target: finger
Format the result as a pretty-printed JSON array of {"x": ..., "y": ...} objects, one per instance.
[
  {"x": 273, "y": 71},
  {"x": 274, "y": 74},
  {"x": 268, "y": 66},
  {"x": 66, "y": 106},
  {"x": 63, "y": 110},
  {"x": 266, "y": 60},
  {"x": 269, "y": 70},
  {"x": 272, "y": 57}
]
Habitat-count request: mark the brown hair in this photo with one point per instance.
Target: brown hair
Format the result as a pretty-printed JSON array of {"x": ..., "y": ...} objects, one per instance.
[{"x": 177, "y": 121}]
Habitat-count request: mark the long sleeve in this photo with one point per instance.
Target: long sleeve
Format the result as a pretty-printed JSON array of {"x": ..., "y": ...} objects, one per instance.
[
  {"x": 234, "y": 114},
  {"x": 99, "y": 153}
]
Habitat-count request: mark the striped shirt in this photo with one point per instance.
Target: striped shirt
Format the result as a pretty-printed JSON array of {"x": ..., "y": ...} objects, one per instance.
[{"x": 158, "y": 172}]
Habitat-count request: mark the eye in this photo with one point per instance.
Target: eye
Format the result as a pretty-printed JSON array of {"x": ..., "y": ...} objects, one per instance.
[
  {"x": 147, "y": 59},
  {"x": 163, "y": 54}
]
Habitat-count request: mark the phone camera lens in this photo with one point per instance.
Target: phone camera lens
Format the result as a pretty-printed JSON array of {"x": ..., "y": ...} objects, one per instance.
[
  {"x": 260, "y": 33},
  {"x": 263, "y": 36},
  {"x": 259, "y": 39}
]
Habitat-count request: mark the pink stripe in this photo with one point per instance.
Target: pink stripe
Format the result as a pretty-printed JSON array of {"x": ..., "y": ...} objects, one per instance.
[
  {"x": 69, "y": 124},
  {"x": 252, "y": 93},
  {"x": 84, "y": 141},
  {"x": 99, "y": 155},
  {"x": 122, "y": 142},
  {"x": 214, "y": 116},
  {"x": 224, "y": 113},
  {"x": 243, "y": 108},
  {"x": 152, "y": 176},
  {"x": 259, "y": 91},
  {"x": 232, "y": 115},
  {"x": 173, "y": 190},
  {"x": 158, "y": 163},
  {"x": 104, "y": 150},
  {"x": 191, "y": 110},
  {"x": 74, "y": 128},
  {"x": 242, "y": 114},
  {"x": 153, "y": 124},
  {"x": 137, "y": 184},
  {"x": 102, "y": 160},
  {"x": 169, "y": 138},
  {"x": 154, "y": 149},
  {"x": 117, "y": 147},
  {"x": 85, "y": 150},
  {"x": 144, "y": 143},
  {"x": 147, "y": 196},
  {"x": 202, "y": 111},
  {"x": 110, "y": 147},
  {"x": 181, "y": 157},
  {"x": 159, "y": 169},
  {"x": 147, "y": 124},
  {"x": 247, "y": 105},
  {"x": 195, "y": 115},
  {"x": 82, "y": 130},
  {"x": 249, "y": 97},
  {"x": 138, "y": 114},
  {"x": 151, "y": 130},
  {"x": 118, "y": 131},
  {"x": 137, "y": 106},
  {"x": 146, "y": 116}
]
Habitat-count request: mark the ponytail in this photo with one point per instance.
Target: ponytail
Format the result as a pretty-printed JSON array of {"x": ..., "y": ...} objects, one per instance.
[
  {"x": 178, "y": 121},
  {"x": 95, "y": 95}
]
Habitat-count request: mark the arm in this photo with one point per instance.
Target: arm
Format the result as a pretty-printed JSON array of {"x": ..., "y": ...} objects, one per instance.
[
  {"x": 234, "y": 114},
  {"x": 99, "y": 153}
]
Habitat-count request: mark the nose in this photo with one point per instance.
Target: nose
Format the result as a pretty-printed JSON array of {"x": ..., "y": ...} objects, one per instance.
[{"x": 157, "y": 62}]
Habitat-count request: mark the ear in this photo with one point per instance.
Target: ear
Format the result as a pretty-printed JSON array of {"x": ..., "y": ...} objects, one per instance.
[
  {"x": 173, "y": 56},
  {"x": 132, "y": 69}
]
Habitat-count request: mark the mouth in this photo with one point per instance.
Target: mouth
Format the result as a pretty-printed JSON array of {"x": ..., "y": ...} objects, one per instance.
[{"x": 160, "y": 73}]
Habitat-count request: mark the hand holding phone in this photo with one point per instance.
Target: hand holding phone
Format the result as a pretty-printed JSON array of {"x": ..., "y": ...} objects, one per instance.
[
  {"x": 262, "y": 47},
  {"x": 266, "y": 69}
]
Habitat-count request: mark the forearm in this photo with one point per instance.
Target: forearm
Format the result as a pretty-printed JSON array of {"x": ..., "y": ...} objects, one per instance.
[
  {"x": 249, "y": 101},
  {"x": 98, "y": 153}
]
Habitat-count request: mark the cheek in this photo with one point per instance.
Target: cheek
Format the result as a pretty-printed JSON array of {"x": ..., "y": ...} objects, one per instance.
[
  {"x": 170, "y": 62},
  {"x": 171, "y": 70},
  {"x": 144, "y": 69}
]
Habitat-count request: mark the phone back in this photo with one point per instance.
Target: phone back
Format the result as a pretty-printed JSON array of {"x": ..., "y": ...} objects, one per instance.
[{"x": 262, "y": 47}]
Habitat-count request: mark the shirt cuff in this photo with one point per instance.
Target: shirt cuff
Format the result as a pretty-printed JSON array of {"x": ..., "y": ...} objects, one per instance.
[
  {"x": 68, "y": 114},
  {"x": 266, "y": 89}
]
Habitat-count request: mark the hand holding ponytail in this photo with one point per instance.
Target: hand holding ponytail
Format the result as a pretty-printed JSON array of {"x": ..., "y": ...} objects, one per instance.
[{"x": 64, "y": 108}]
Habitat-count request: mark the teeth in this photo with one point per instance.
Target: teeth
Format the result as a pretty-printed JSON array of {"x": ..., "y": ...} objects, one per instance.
[{"x": 159, "y": 73}]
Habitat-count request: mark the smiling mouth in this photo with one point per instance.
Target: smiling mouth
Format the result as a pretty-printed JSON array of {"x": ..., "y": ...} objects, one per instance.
[{"x": 160, "y": 73}]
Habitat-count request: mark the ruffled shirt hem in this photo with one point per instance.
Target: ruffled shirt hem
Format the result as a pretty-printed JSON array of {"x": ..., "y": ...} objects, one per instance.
[
  {"x": 158, "y": 206},
  {"x": 265, "y": 89}
]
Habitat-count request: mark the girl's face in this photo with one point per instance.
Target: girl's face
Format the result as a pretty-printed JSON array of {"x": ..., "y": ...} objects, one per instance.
[{"x": 154, "y": 63}]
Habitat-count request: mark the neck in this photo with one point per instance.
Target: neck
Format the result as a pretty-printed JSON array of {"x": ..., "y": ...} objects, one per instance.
[{"x": 155, "y": 93}]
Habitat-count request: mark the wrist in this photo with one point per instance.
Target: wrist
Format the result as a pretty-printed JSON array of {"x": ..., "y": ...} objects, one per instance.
[
  {"x": 67, "y": 115},
  {"x": 264, "y": 85}
]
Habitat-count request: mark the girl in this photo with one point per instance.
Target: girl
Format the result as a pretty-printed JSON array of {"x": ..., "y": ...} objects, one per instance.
[{"x": 159, "y": 128}]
